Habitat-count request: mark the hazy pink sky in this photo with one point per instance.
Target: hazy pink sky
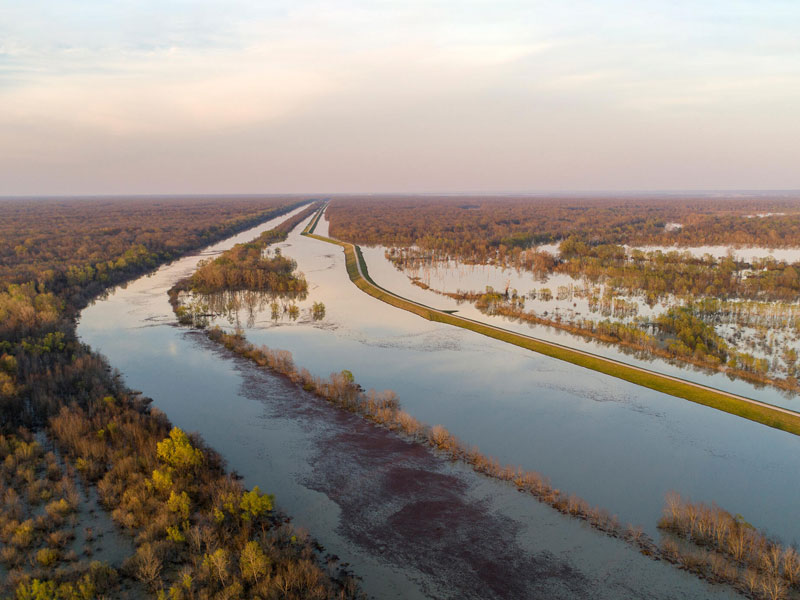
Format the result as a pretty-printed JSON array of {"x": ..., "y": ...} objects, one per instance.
[{"x": 397, "y": 96}]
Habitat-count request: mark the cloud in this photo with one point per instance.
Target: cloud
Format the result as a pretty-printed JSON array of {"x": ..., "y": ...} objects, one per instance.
[
  {"x": 271, "y": 96},
  {"x": 167, "y": 94}
]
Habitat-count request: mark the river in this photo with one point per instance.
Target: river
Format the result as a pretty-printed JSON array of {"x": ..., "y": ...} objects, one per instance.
[{"x": 376, "y": 501}]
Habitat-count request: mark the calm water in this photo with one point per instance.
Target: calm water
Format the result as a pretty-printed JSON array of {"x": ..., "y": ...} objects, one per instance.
[
  {"x": 462, "y": 277},
  {"x": 613, "y": 443}
]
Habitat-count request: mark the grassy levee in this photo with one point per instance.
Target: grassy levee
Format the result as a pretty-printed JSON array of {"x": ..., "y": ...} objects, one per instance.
[
  {"x": 686, "y": 390},
  {"x": 312, "y": 225}
]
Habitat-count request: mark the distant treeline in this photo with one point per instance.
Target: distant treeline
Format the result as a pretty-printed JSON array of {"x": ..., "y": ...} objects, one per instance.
[
  {"x": 82, "y": 246},
  {"x": 478, "y": 229}
]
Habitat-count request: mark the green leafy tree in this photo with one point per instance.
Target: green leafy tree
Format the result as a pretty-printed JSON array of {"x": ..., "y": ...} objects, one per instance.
[
  {"x": 253, "y": 563},
  {"x": 255, "y": 504},
  {"x": 179, "y": 503},
  {"x": 178, "y": 452},
  {"x": 217, "y": 563}
]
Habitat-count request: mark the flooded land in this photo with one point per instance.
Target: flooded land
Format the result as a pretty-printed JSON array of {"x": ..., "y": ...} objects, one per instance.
[{"x": 567, "y": 299}]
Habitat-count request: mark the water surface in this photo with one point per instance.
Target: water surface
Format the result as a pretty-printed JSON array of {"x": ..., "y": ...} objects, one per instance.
[
  {"x": 616, "y": 444},
  {"x": 613, "y": 443}
]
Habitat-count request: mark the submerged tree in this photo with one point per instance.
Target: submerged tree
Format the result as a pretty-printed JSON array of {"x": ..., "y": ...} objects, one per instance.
[{"x": 318, "y": 311}]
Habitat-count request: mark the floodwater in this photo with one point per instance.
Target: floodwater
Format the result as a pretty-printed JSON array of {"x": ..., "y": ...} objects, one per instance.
[
  {"x": 746, "y": 253},
  {"x": 375, "y": 500},
  {"x": 452, "y": 278},
  {"x": 613, "y": 443}
]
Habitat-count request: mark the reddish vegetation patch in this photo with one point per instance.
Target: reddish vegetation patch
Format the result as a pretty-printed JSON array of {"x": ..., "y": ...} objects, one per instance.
[
  {"x": 405, "y": 505},
  {"x": 399, "y": 501}
]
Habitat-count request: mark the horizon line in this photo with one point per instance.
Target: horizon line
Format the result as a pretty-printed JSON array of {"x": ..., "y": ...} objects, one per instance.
[{"x": 465, "y": 193}]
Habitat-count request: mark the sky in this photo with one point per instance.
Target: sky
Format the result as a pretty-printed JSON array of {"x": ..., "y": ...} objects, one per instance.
[{"x": 407, "y": 96}]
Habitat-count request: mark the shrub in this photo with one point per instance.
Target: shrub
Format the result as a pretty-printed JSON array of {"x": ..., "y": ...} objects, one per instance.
[
  {"x": 178, "y": 452},
  {"x": 47, "y": 557},
  {"x": 255, "y": 504}
]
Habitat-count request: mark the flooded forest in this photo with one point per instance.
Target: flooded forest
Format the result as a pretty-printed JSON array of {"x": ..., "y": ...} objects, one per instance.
[{"x": 401, "y": 397}]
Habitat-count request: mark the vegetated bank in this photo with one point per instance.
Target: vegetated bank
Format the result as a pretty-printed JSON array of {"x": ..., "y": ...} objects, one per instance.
[
  {"x": 197, "y": 532},
  {"x": 383, "y": 409},
  {"x": 730, "y": 549},
  {"x": 753, "y": 410},
  {"x": 46, "y": 522}
]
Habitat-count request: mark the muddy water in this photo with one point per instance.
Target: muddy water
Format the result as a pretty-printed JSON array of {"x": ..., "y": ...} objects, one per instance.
[{"x": 413, "y": 525}]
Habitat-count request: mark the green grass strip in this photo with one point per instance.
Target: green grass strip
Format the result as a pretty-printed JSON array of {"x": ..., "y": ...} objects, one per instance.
[{"x": 753, "y": 410}]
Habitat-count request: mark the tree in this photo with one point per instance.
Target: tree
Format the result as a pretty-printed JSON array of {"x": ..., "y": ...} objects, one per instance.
[
  {"x": 179, "y": 503},
  {"x": 178, "y": 452},
  {"x": 255, "y": 504},
  {"x": 217, "y": 564},
  {"x": 253, "y": 563},
  {"x": 318, "y": 311},
  {"x": 149, "y": 565}
]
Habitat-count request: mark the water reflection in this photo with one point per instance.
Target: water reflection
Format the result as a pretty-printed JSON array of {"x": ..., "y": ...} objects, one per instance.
[
  {"x": 453, "y": 278},
  {"x": 241, "y": 308}
]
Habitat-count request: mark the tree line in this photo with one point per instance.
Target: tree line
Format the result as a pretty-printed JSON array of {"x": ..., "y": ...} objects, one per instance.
[
  {"x": 478, "y": 229},
  {"x": 728, "y": 549}
]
